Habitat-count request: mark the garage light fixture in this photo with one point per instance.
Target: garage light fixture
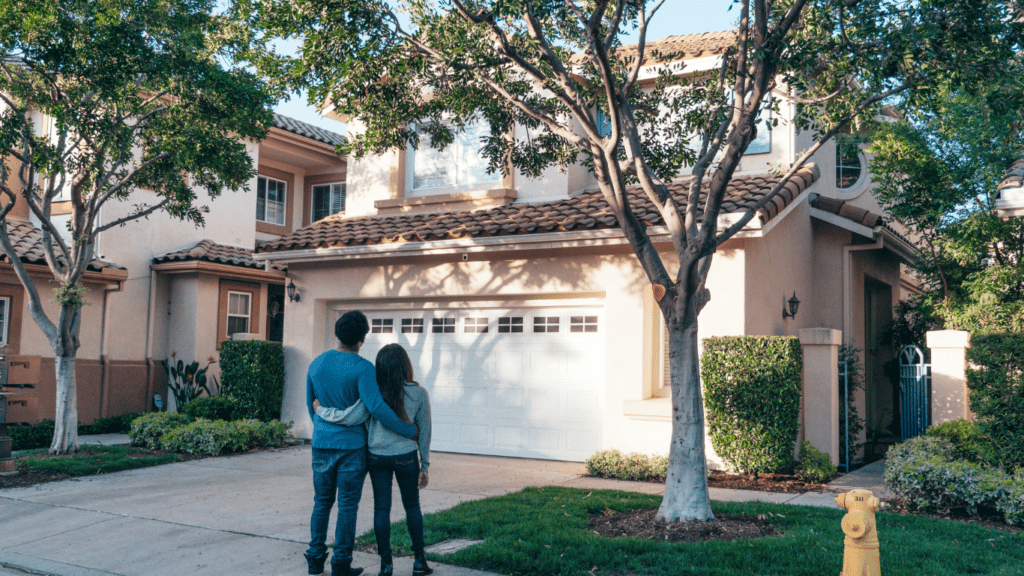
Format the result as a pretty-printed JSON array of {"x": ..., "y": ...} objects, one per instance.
[
  {"x": 293, "y": 291},
  {"x": 794, "y": 305}
]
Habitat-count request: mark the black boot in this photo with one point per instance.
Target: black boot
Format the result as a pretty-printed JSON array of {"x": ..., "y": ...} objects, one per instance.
[
  {"x": 344, "y": 568},
  {"x": 316, "y": 563},
  {"x": 419, "y": 566},
  {"x": 387, "y": 567}
]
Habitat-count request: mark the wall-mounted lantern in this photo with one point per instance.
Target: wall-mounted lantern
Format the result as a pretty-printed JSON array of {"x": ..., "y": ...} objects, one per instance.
[
  {"x": 293, "y": 291},
  {"x": 794, "y": 305}
]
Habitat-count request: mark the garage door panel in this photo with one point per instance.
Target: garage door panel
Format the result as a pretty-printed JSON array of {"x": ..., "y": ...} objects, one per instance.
[{"x": 509, "y": 390}]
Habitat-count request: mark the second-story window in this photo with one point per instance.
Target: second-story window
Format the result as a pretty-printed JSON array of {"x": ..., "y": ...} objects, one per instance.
[
  {"x": 460, "y": 164},
  {"x": 270, "y": 201},
  {"x": 328, "y": 199}
]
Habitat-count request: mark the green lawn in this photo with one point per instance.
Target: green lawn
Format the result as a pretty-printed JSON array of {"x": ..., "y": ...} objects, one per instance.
[
  {"x": 97, "y": 460},
  {"x": 543, "y": 532}
]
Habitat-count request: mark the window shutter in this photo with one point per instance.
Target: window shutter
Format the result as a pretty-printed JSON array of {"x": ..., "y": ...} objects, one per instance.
[{"x": 338, "y": 196}]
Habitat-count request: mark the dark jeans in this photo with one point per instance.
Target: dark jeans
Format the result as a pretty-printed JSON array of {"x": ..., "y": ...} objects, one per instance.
[
  {"x": 340, "y": 472},
  {"x": 406, "y": 468}
]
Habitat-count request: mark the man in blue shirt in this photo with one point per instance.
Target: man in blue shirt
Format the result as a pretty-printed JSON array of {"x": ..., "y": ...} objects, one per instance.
[{"x": 338, "y": 378}]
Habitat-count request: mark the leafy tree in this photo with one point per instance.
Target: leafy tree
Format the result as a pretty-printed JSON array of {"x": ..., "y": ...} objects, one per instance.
[
  {"x": 549, "y": 66},
  {"x": 140, "y": 94},
  {"x": 938, "y": 170}
]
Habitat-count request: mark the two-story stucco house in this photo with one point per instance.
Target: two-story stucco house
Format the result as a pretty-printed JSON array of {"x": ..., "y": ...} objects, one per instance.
[
  {"x": 163, "y": 287},
  {"x": 525, "y": 312}
]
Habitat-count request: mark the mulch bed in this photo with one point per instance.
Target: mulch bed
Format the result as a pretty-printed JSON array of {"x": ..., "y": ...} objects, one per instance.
[
  {"x": 787, "y": 483},
  {"x": 642, "y": 524}
]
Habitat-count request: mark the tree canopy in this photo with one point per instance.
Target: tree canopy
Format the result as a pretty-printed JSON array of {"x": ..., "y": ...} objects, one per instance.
[{"x": 99, "y": 101}]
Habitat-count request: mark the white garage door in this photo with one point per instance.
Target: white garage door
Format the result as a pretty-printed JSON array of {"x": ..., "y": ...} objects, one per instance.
[{"x": 522, "y": 382}]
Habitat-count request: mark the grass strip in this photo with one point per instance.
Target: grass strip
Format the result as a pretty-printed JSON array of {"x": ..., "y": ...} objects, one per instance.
[
  {"x": 543, "y": 531},
  {"x": 97, "y": 460}
]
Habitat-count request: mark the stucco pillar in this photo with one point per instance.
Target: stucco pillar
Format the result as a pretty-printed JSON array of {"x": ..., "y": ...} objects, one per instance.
[
  {"x": 821, "y": 389},
  {"x": 949, "y": 374}
]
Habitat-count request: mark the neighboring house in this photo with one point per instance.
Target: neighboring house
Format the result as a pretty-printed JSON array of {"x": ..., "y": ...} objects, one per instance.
[
  {"x": 1010, "y": 194},
  {"x": 178, "y": 289},
  {"x": 526, "y": 313}
]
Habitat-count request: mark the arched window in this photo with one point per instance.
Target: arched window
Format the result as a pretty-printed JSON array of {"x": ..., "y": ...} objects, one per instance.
[{"x": 848, "y": 168}]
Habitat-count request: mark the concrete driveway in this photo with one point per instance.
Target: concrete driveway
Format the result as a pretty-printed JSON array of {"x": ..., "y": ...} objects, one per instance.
[{"x": 246, "y": 514}]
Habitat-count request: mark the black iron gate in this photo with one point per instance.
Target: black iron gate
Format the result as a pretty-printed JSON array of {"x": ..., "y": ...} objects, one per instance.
[{"x": 915, "y": 393}]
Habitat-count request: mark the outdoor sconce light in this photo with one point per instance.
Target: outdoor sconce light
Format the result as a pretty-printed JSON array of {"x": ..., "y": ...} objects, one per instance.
[
  {"x": 794, "y": 305},
  {"x": 293, "y": 292}
]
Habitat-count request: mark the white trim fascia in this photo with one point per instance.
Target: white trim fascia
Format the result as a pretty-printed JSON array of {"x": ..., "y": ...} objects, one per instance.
[
  {"x": 684, "y": 66},
  {"x": 842, "y": 222}
]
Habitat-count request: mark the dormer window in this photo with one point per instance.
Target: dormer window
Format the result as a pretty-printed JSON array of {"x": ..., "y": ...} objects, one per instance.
[
  {"x": 270, "y": 200},
  {"x": 460, "y": 166},
  {"x": 848, "y": 168},
  {"x": 328, "y": 199}
]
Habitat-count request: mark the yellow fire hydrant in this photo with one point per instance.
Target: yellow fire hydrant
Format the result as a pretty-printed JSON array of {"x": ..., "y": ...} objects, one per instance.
[{"x": 860, "y": 556}]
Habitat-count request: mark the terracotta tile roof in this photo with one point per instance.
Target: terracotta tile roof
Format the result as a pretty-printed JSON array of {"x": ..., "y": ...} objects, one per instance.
[
  {"x": 684, "y": 47},
  {"x": 1014, "y": 177},
  {"x": 210, "y": 251},
  {"x": 301, "y": 128},
  {"x": 28, "y": 243},
  {"x": 585, "y": 211},
  {"x": 848, "y": 211}
]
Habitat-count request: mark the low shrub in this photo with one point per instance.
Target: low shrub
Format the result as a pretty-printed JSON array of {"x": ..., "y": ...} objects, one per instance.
[
  {"x": 615, "y": 464},
  {"x": 996, "y": 383},
  {"x": 753, "y": 400},
  {"x": 1012, "y": 504},
  {"x": 815, "y": 465},
  {"x": 252, "y": 375},
  {"x": 29, "y": 437},
  {"x": 965, "y": 438},
  {"x": 214, "y": 437},
  {"x": 922, "y": 473},
  {"x": 148, "y": 430},
  {"x": 119, "y": 424},
  {"x": 215, "y": 408}
]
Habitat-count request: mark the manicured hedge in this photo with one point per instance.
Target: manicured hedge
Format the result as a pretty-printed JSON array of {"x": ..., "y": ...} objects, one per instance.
[
  {"x": 212, "y": 408},
  {"x": 996, "y": 383},
  {"x": 252, "y": 376},
  {"x": 753, "y": 389}
]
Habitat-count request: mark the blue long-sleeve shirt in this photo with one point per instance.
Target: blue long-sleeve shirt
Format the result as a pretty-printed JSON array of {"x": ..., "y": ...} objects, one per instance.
[{"x": 338, "y": 379}]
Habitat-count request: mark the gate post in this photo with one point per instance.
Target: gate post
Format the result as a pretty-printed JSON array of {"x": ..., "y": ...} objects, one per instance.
[
  {"x": 949, "y": 374},
  {"x": 821, "y": 389}
]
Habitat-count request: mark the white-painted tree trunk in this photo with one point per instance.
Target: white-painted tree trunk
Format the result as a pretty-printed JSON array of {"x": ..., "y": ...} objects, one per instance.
[
  {"x": 65, "y": 434},
  {"x": 686, "y": 484}
]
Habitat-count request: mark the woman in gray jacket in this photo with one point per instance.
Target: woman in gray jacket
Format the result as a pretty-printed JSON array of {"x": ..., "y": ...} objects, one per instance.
[{"x": 394, "y": 454}]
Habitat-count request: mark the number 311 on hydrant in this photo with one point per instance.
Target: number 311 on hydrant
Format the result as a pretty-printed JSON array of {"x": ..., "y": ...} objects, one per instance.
[{"x": 860, "y": 555}]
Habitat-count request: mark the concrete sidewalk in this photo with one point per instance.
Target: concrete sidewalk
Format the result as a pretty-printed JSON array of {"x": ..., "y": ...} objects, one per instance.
[{"x": 246, "y": 514}]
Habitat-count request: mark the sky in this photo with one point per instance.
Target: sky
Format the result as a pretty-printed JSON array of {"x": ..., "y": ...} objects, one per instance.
[{"x": 675, "y": 17}]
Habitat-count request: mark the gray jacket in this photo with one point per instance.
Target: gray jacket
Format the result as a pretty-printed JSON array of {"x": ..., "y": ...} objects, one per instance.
[{"x": 382, "y": 441}]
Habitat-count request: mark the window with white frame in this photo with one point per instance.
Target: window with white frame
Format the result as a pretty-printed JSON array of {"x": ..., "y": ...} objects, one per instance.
[
  {"x": 239, "y": 312},
  {"x": 270, "y": 200},
  {"x": 412, "y": 325},
  {"x": 848, "y": 166},
  {"x": 442, "y": 326},
  {"x": 545, "y": 323},
  {"x": 460, "y": 164},
  {"x": 475, "y": 325},
  {"x": 510, "y": 324},
  {"x": 382, "y": 326},
  {"x": 5, "y": 314},
  {"x": 328, "y": 199}
]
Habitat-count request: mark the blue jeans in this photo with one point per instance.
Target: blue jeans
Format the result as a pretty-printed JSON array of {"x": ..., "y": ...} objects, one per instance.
[
  {"x": 406, "y": 468},
  {"x": 341, "y": 472}
]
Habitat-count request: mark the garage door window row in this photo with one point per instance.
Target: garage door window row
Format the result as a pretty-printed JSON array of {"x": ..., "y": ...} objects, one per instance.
[{"x": 481, "y": 324}]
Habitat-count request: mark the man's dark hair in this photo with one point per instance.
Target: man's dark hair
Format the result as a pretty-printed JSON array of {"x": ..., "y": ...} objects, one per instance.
[{"x": 351, "y": 328}]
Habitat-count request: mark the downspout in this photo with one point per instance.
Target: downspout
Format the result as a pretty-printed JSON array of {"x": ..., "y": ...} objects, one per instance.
[
  {"x": 848, "y": 283},
  {"x": 104, "y": 361},
  {"x": 149, "y": 338}
]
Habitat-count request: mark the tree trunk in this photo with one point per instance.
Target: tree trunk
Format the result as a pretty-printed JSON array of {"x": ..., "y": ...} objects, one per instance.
[
  {"x": 65, "y": 434},
  {"x": 686, "y": 485}
]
